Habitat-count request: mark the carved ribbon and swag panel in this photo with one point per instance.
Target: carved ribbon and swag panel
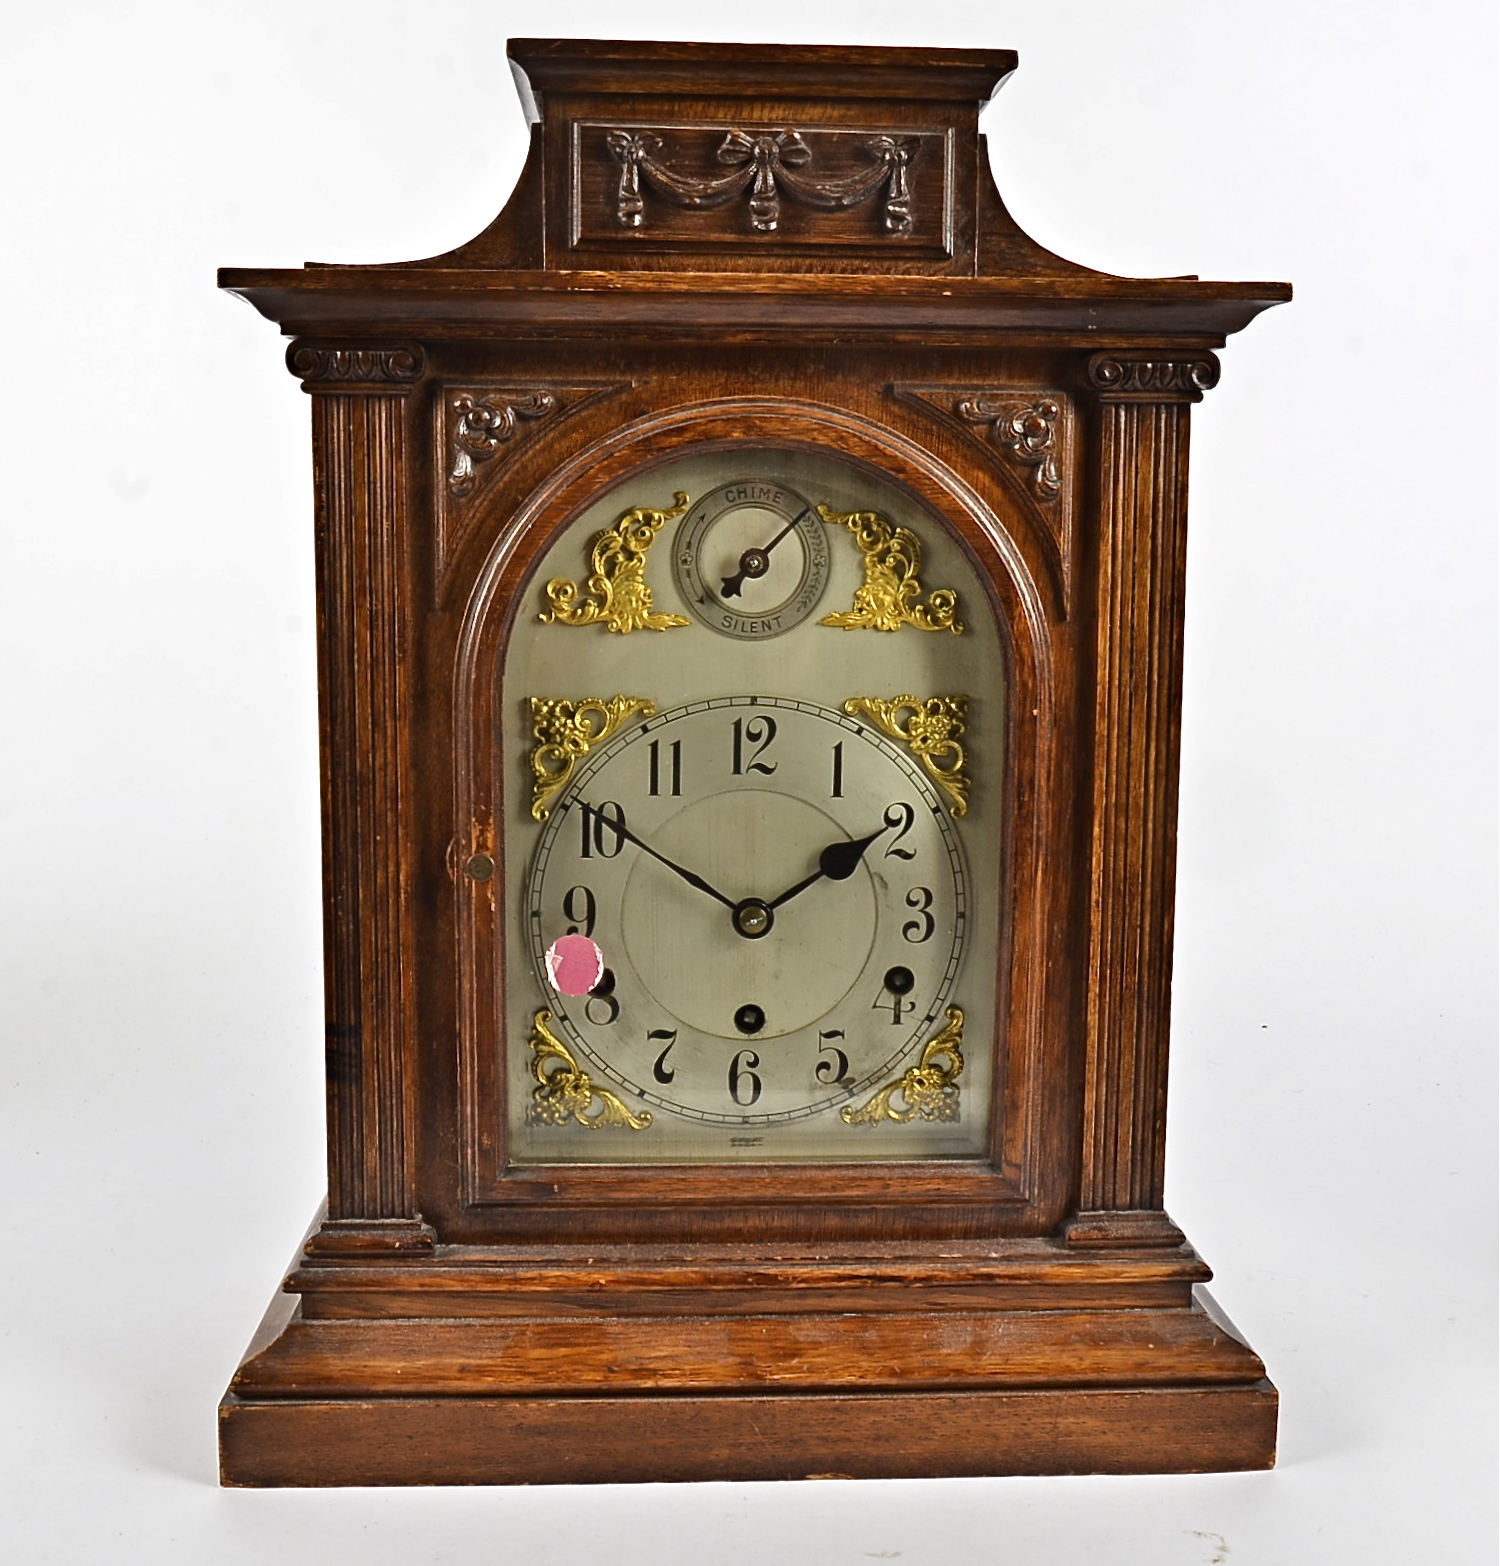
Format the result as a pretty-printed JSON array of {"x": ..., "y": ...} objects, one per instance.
[{"x": 682, "y": 186}]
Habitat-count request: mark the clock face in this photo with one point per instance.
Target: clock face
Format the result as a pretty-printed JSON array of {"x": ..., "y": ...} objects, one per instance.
[
  {"x": 778, "y": 899},
  {"x": 752, "y": 720}
]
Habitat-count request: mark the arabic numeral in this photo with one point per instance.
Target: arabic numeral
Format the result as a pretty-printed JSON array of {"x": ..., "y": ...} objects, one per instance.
[
  {"x": 572, "y": 912},
  {"x": 674, "y": 767},
  {"x": 898, "y": 819},
  {"x": 660, "y": 1069},
  {"x": 919, "y": 929},
  {"x": 602, "y": 825},
  {"x": 742, "y": 1077},
  {"x": 837, "y": 1069},
  {"x": 899, "y": 982},
  {"x": 603, "y": 994},
  {"x": 759, "y": 732}
]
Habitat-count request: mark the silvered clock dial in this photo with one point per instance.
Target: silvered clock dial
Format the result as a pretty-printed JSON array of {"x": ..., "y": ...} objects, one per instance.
[
  {"x": 750, "y": 781},
  {"x": 778, "y": 898}
]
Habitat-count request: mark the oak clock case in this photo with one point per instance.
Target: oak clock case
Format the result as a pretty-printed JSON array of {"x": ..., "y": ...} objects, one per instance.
[
  {"x": 750, "y": 639},
  {"x": 749, "y": 729}
]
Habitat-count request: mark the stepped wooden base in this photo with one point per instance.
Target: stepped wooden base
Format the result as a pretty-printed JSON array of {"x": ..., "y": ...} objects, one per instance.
[
  {"x": 590, "y": 1440},
  {"x": 473, "y": 1367}
]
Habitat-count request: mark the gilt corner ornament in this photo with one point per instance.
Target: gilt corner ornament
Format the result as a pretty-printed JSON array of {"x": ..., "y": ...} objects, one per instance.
[
  {"x": 616, "y": 595},
  {"x": 931, "y": 729},
  {"x": 565, "y": 732},
  {"x": 891, "y": 595},
  {"x": 929, "y": 1089},
  {"x": 482, "y": 423},
  {"x": 565, "y": 1092},
  {"x": 767, "y": 164},
  {"x": 1027, "y": 430}
]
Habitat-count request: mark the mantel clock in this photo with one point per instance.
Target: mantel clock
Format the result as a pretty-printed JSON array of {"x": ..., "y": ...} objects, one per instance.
[{"x": 750, "y": 640}]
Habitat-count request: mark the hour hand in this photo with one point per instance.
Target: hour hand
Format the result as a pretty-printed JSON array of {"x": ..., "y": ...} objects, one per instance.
[{"x": 837, "y": 862}]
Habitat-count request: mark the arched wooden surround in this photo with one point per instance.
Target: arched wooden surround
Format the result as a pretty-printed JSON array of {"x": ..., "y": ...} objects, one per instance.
[{"x": 1025, "y": 1185}]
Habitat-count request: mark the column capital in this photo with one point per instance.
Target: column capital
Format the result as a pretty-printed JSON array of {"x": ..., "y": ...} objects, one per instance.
[
  {"x": 389, "y": 369},
  {"x": 1121, "y": 379}
]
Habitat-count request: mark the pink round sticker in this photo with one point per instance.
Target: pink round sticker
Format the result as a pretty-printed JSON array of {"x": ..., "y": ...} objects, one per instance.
[{"x": 574, "y": 965}]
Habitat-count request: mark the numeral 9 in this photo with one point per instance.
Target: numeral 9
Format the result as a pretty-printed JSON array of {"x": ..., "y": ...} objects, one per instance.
[{"x": 571, "y": 910}]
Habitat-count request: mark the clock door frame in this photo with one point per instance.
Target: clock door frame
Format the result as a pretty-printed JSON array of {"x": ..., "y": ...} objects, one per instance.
[{"x": 1022, "y": 1187}]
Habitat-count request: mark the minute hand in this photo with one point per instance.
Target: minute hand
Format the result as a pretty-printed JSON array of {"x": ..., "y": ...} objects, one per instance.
[
  {"x": 687, "y": 875},
  {"x": 837, "y": 862}
]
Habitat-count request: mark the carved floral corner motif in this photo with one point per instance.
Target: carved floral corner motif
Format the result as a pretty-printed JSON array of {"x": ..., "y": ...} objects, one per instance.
[
  {"x": 615, "y": 594},
  {"x": 768, "y": 165},
  {"x": 1026, "y": 430},
  {"x": 565, "y": 1092},
  {"x": 481, "y": 423},
  {"x": 931, "y": 727},
  {"x": 929, "y": 1089},
  {"x": 891, "y": 595},
  {"x": 565, "y": 732}
]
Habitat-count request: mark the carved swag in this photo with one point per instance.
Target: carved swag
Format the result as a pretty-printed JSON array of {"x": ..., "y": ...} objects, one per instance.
[{"x": 765, "y": 163}]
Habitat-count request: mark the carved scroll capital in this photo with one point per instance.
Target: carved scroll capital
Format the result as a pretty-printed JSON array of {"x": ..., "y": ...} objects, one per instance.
[
  {"x": 929, "y": 1089},
  {"x": 565, "y": 732},
  {"x": 392, "y": 369},
  {"x": 616, "y": 595},
  {"x": 566, "y": 1093},
  {"x": 480, "y": 423},
  {"x": 891, "y": 595},
  {"x": 931, "y": 728},
  {"x": 1153, "y": 380},
  {"x": 1027, "y": 430}
]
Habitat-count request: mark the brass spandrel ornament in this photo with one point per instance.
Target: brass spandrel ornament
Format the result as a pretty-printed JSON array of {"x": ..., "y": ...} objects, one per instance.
[
  {"x": 565, "y": 1094},
  {"x": 565, "y": 732},
  {"x": 616, "y": 595},
  {"x": 932, "y": 727},
  {"x": 891, "y": 596},
  {"x": 929, "y": 1089}
]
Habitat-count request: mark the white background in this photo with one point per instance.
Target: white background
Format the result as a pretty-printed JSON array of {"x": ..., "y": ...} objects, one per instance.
[{"x": 1332, "y": 1084}]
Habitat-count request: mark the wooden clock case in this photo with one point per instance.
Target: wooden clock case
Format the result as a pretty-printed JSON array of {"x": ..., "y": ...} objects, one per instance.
[{"x": 455, "y": 1319}]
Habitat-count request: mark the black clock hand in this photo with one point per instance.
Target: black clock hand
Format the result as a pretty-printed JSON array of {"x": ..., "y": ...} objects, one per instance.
[
  {"x": 687, "y": 875},
  {"x": 756, "y": 562},
  {"x": 837, "y": 862}
]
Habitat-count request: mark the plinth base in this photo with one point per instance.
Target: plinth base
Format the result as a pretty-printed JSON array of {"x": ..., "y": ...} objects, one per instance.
[
  {"x": 592, "y": 1440},
  {"x": 488, "y": 1368}
]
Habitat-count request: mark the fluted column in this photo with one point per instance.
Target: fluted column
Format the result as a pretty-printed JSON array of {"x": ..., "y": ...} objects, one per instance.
[
  {"x": 1137, "y": 736},
  {"x": 361, "y": 487}
]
